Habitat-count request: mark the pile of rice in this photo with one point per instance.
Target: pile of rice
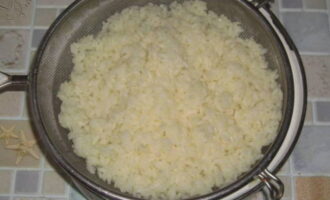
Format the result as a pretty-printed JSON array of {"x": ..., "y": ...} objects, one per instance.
[{"x": 167, "y": 102}]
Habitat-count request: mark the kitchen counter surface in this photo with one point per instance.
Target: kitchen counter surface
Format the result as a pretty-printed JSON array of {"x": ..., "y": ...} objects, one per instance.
[{"x": 306, "y": 175}]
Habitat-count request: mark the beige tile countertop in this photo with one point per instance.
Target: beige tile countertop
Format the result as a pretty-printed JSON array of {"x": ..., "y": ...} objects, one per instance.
[{"x": 306, "y": 175}]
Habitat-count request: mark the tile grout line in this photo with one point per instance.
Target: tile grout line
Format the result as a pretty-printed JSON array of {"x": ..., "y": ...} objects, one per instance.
[
  {"x": 311, "y": 10},
  {"x": 15, "y": 27},
  {"x": 2, "y": 118},
  {"x": 280, "y": 14},
  {"x": 315, "y": 10},
  {"x": 318, "y": 98},
  {"x": 314, "y": 113},
  {"x": 307, "y": 53},
  {"x": 13, "y": 183},
  {"x": 311, "y": 122},
  {"x": 21, "y": 117},
  {"x": 41, "y": 27},
  {"x": 293, "y": 189},
  {"x": 41, "y": 177},
  {"x": 306, "y": 174},
  {"x": 52, "y": 6},
  {"x": 320, "y": 124},
  {"x": 28, "y": 59},
  {"x": 279, "y": 4},
  {"x": 317, "y": 123},
  {"x": 67, "y": 190},
  {"x": 20, "y": 168},
  {"x": 44, "y": 197},
  {"x": 327, "y": 4}
]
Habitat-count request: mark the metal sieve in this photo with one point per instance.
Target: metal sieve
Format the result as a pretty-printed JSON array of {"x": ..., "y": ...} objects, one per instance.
[{"x": 53, "y": 65}]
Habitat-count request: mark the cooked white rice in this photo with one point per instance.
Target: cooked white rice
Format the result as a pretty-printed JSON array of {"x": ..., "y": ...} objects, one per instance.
[{"x": 169, "y": 102}]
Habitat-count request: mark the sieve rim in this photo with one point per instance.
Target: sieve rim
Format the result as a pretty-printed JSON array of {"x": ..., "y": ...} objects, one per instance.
[{"x": 36, "y": 116}]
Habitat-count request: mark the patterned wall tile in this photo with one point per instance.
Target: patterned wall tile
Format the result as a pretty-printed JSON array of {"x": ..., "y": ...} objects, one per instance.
[
  {"x": 312, "y": 188},
  {"x": 318, "y": 73},
  {"x": 53, "y": 184},
  {"x": 310, "y": 30},
  {"x": 11, "y": 104},
  {"x": 8, "y": 157},
  {"x": 323, "y": 111},
  {"x": 6, "y": 180},
  {"x": 15, "y": 12},
  {"x": 292, "y": 3},
  {"x": 315, "y": 4},
  {"x": 38, "y": 34},
  {"x": 311, "y": 155},
  {"x": 13, "y": 49},
  {"x": 27, "y": 182},
  {"x": 45, "y": 16}
]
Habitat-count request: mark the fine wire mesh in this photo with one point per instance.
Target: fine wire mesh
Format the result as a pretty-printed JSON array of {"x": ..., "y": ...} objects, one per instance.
[{"x": 86, "y": 18}]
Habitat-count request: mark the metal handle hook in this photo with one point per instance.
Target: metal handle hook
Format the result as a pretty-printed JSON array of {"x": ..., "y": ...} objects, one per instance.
[
  {"x": 273, "y": 184},
  {"x": 260, "y": 3}
]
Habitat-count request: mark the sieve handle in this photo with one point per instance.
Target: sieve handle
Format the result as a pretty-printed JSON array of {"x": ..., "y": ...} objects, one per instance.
[
  {"x": 12, "y": 82},
  {"x": 273, "y": 184}
]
